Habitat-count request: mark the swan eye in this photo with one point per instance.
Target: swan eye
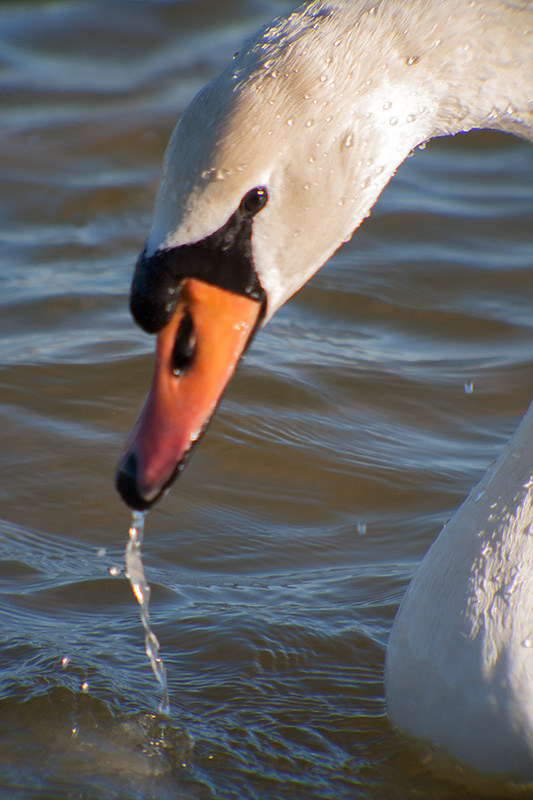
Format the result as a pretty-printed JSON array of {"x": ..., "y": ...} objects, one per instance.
[
  {"x": 254, "y": 200},
  {"x": 184, "y": 346}
]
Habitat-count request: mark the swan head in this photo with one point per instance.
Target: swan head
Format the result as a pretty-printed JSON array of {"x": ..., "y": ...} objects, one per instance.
[
  {"x": 269, "y": 170},
  {"x": 288, "y": 124}
]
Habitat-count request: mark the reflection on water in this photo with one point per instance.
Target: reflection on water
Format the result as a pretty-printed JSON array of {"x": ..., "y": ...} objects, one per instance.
[{"x": 346, "y": 440}]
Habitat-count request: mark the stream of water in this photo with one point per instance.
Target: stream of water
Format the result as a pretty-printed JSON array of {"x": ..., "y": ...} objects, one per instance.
[{"x": 141, "y": 589}]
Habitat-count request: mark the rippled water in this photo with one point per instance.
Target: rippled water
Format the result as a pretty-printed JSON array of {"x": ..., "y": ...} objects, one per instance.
[{"x": 364, "y": 413}]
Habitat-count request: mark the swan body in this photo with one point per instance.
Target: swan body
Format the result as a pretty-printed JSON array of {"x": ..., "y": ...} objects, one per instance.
[
  {"x": 459, "y": 669},
  {"x": 273, "y": 165}
]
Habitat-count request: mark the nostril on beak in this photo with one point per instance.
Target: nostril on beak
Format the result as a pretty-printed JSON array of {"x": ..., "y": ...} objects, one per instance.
[{"x": 127, "y": 484}]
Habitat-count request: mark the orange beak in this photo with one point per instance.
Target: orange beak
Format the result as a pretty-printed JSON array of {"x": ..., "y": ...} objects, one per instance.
[{"x": 196, "y": 355}]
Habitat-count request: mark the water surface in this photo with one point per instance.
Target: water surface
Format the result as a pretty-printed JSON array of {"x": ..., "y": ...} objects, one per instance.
[{"x": 362, "y": 416}]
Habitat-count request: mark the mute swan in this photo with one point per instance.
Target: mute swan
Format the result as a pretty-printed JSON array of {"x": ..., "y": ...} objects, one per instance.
[{"x": 275, "y": 164}]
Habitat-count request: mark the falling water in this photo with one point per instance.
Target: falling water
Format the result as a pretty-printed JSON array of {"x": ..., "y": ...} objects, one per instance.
[{"x": 141, "y": 590}]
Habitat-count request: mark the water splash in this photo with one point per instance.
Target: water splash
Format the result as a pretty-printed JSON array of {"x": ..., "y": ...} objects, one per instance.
[{"x": 141, "y": 590}]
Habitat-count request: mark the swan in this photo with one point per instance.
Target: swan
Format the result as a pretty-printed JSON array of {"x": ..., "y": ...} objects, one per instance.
[{"x": 272, "y": 166}]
